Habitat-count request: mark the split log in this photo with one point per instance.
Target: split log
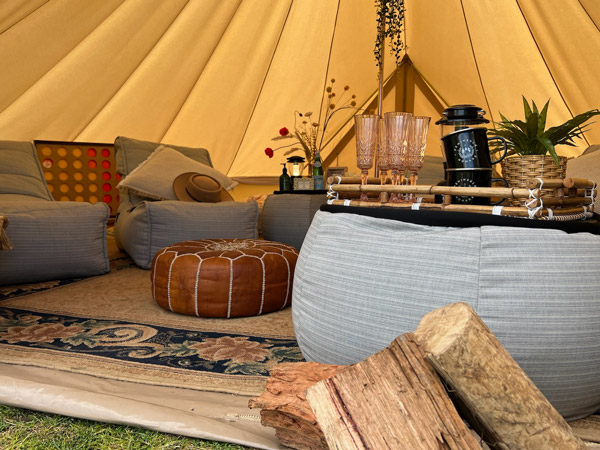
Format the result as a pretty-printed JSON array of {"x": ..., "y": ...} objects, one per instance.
[
  {"x": 284, "y": 405},
  {"x": 392, "y": 400},
  {"x": 490, "y": 382},
  {"x": 587, "y": 429}
]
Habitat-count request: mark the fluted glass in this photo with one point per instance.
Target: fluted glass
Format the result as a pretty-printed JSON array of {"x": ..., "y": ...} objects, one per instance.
[
  {"x": 366, "y": 127},
  {"x": 396, "y": 129}
]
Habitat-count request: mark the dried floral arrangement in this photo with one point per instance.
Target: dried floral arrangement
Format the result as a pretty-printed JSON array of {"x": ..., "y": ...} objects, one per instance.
[{"x": 308, "y": 134}]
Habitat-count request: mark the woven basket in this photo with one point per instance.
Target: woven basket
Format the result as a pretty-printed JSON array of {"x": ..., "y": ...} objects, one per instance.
[{"x": 518, "y": 169}]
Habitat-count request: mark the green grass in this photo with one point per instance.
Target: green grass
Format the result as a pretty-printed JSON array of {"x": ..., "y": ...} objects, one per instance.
[{"x": 22, "y": 429}]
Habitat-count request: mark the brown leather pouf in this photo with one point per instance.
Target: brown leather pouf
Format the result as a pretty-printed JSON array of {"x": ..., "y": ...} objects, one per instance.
[{"x": 224, "y": 277}]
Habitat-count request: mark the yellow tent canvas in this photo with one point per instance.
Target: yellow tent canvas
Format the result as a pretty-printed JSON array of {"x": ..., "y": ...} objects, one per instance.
[{"x": 227, "y": 75}]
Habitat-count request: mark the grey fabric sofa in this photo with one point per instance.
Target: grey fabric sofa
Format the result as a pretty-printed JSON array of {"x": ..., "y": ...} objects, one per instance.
[
  {"x": 52, "y": 240},
  {"x": 145, "y": 225}
]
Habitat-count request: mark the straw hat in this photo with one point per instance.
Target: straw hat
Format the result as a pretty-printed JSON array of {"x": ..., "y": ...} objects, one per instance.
[{"x": 196, "y": 187}]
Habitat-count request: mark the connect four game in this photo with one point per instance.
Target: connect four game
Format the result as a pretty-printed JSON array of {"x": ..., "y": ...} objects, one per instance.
[{"x": 80, "y": 172}]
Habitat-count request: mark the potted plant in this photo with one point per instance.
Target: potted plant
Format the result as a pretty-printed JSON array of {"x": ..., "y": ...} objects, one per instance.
[{"x": 533, "y": 147}]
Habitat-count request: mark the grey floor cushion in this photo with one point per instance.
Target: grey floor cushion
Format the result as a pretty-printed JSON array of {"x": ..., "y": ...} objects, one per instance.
[
  {"x": 362, "y": 281},
  {"x": 286, "y": 217},
  {"x": 53, "y": 240},
  {"x": 145, "y": 226},
  {"x": 150, "y": 226}
]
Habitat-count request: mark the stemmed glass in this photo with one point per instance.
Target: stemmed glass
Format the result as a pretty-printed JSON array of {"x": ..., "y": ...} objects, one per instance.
[
  {"x": 396, "y": 128},
  {"x": 366, "y": 142},
  {"x": 417, "y": 140},
  {"x": 383, "y": 158}
]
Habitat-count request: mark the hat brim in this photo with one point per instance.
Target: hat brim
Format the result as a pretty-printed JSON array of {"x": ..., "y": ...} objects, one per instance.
[{"x": 179, "y": 188}]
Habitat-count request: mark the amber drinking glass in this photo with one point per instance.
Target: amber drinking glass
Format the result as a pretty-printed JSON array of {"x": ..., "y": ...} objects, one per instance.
[
  {"x": 366, "y": 126},
  {"x": 396, "y": 129}
]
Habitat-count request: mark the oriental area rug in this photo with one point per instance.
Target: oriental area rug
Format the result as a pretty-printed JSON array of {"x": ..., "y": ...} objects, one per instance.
[{"x": 110, "y": 327}]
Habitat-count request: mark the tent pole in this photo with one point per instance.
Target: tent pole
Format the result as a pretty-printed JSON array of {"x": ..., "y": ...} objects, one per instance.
[{"x": 381, "y": 36}]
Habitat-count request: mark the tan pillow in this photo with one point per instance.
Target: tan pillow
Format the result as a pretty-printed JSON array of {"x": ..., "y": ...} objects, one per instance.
[{"x": 154, "y": 177}]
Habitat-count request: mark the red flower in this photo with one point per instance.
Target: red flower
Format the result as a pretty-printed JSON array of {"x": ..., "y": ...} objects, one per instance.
[
  {"x": 284, "y": 131},
  {"x": 269, "y": 152}
]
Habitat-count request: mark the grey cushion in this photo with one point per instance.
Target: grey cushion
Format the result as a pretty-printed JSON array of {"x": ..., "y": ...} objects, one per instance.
[
  {"x": 362, "y": 281},
  {"x": 153, "y": 178},
  {"x": 20, "y": 170},
  {"x": 130, "y": 153},
  {"x": 53, "y": 240},
  {"x": 286, "y": 217},
  {"x": 151, "y": 226}
]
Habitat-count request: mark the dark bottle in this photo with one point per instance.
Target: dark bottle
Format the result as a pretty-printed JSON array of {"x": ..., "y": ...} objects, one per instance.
[
  {"x": 318, "y": 172},
  {"x": 285, "y": 182}
]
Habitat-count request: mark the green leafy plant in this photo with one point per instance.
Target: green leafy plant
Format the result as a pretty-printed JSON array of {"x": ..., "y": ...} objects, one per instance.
[
  {"x": 530, "y": 137},
  {"x": 390, "y": 20}
]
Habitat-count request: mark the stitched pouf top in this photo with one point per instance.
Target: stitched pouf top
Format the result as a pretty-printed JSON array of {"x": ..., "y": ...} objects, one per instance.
[{"x": 224, "y": 277}]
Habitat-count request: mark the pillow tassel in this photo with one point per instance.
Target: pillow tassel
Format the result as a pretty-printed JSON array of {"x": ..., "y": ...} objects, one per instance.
[{"x": 5, "y": 243}]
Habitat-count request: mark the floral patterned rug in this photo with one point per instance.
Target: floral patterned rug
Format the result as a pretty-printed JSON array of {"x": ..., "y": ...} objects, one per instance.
[{"x": 109, "y": 326}]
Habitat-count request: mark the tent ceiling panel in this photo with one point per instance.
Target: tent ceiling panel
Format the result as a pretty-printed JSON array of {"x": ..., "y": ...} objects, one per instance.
[
  {"x": 295, "y": 81},
  {"x": 12, "y": 12},
  {"x": 438, "y": 43},
  {"x": 227, "y": 75},
  {"x": 592, "y": 7},
  {"x": 325, "y": 41},
  {"x": 40, "y": 38},
  {"x": 62, "y": 102},
  {"x": 161, "y": 84},
  {"x": 507, "y": 56},
  {"x": 352, "y": 62},
  {"x": 217, "y": 112},
  {"x": 568, "y": 38}
]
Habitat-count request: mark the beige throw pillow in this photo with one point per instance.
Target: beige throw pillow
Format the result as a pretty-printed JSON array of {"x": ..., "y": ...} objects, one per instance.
[{"x": 153, "y": 178}]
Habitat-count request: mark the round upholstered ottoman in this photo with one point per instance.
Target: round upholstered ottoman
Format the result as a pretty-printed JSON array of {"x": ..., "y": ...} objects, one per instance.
[
  {"x": 362, "y": 281},
  {"x": 224, "y": 277}
]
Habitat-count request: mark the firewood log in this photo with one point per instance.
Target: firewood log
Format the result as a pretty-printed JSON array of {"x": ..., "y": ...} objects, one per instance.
[
  {"x": 284, "y": 405},
  {"x": 514, "y": 413},
  {"x": 391, "y": 400}
]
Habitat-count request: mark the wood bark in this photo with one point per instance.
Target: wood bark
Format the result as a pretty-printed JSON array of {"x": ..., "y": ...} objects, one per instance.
[
  {"x": 284, "y": 405},
  {"x": 587, "y": 429},
  {"x": 513, "y": 411},
  {"x": 391, "y": 400}
]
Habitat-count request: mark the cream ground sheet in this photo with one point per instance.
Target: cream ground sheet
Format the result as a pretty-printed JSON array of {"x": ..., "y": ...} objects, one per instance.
[{"x": 189, "y": 412}]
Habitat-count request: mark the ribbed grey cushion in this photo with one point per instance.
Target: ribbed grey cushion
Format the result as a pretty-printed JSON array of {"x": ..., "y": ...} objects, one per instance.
[
  {"x": 286, "y": 217},
  {"x": 53, "y": 240},
  {"x": 151, "y": 226},
  {"x": 20, "y": 170},
  {"x": 362, "y": 281}
]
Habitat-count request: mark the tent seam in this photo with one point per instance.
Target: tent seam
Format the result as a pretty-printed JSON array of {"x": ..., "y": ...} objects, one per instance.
[
  {"x": 24, "y": 17},
  {"x": 487, "y": 103},
  {"x": 588, "y": 14},
  {"x": 560, "y": 93},
  {"x": 168, "y": 127},
  {"x": 335, "y": 23},
  {"x": 83, "y": 128},
  {"x": 234, "y": 156}
]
